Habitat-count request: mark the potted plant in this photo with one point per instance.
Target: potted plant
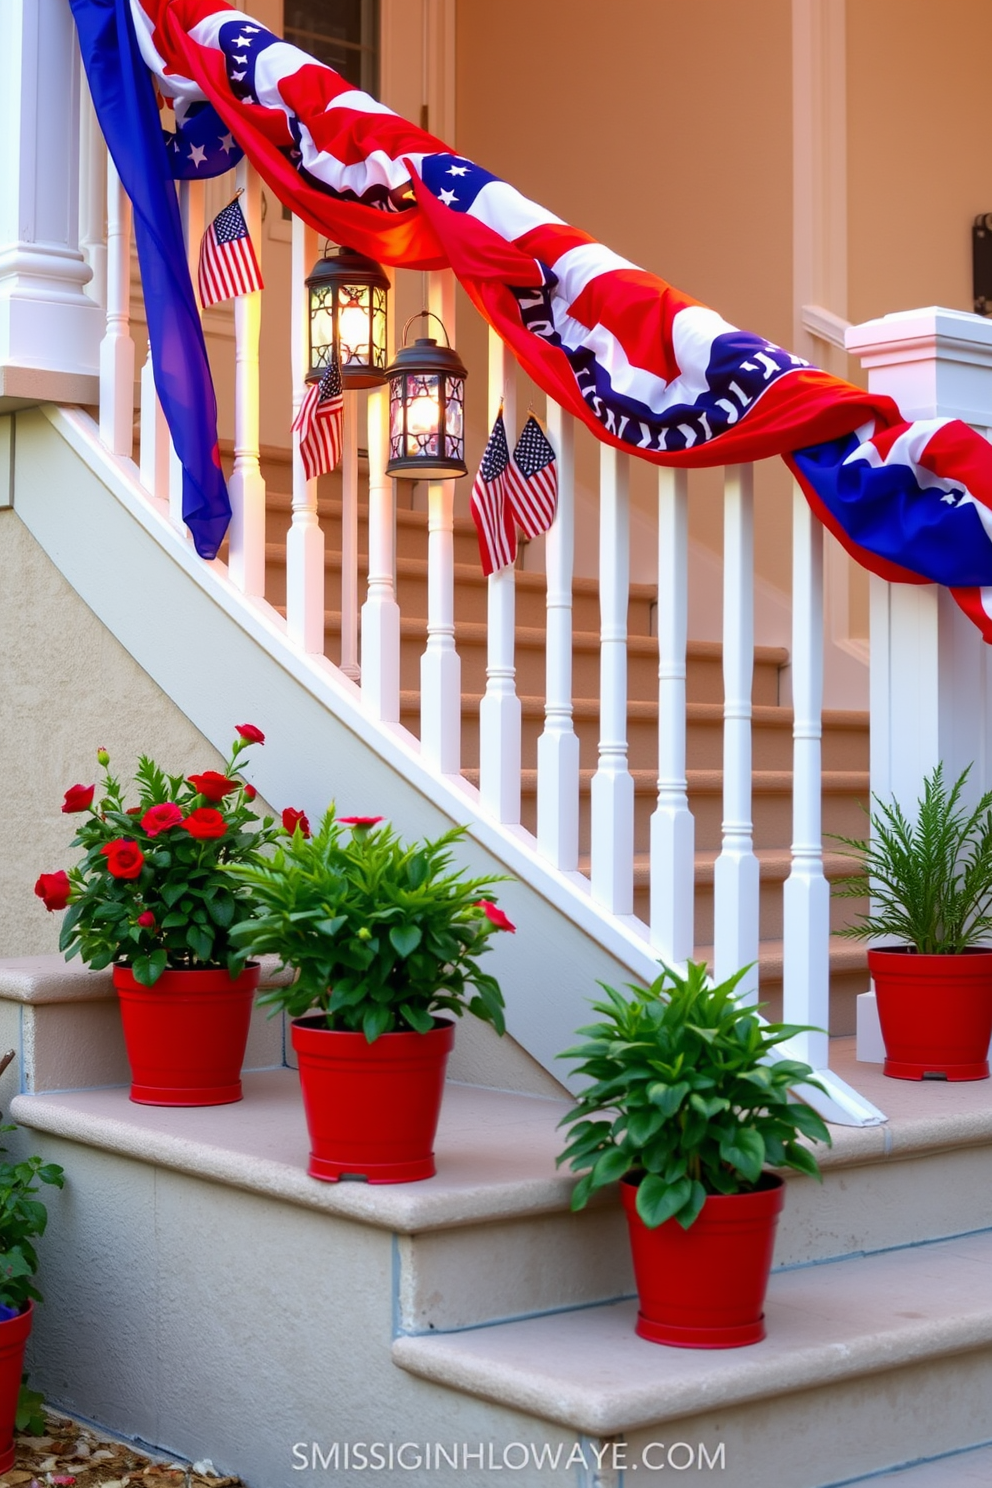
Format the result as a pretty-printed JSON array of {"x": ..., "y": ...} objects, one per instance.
[
  {"x": 152, "y": 899},
  {"x": 931, "y": 892},
  {"x": 22, "y": 1220},
  {"x": 385, "y": 936},
  {"x": 688, "y": 1107}
]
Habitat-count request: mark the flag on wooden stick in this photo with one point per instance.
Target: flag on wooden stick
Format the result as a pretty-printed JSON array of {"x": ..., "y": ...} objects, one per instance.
[
  {"x": 319, "y": 423},
  {"x": 228, "y": 266},
  {"x": 532, "y": 480},
  {"x": 490, "y": 505}
]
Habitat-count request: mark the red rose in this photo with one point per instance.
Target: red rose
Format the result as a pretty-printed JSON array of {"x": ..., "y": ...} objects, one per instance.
[
  {"x": 249, "y": 732},
  {"x": 54, "y": 888},
  {"x": 124, "y": 858},
  {"x": 213, "y": 785},
  {"x": 358, "y": 821},
  {"x": 160, "y": 818},
  {"x": 250, "y": 792},
  {"x": 291, "y": 819},
  {"x": 494, "y": 913},
  {"x": 146, "y": 920},
  {"x": 205, "y": 823},
  {"x": 79, "y": 798}
]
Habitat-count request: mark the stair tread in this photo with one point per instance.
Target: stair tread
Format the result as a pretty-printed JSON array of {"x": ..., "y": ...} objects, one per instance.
[
  {"x": 710, "y": 782},
  {"x": 774, "y": 864},
  {"x": 586, "y": 1368},
  {"x": 765, "y": 714}
]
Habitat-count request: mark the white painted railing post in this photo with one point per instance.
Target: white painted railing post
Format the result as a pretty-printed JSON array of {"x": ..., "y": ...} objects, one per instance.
[
  {"x": 736, "y": 876},
  {"x": 117, "y": 348},
  {"x": 305, "y": 540},
  {"x": 673, "y": 830},
  {"x": 191, "y": 211},
  {"x": 440, "y": 665},
  {"x": 613, "y": 785},
  {"x": 349, "y": 537},
  {"x": 500, "y": 711},
  {"x": 246, "y": 488},
  {"x": 381, "y": 612},
  {"x": 558, "y": 746},
  {"x": 806, "y": 895},
  {"x": 92, "y": 198},
  {"x": 156, "y": 445},
  {"x": 931, "y": 673}
]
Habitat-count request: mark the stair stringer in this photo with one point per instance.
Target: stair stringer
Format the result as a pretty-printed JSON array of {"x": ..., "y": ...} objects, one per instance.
[{"x": 89, "y": 513}]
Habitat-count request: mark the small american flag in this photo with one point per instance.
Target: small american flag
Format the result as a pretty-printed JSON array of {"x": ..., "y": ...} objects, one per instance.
[
  {"x": 490, "y": 505},
  {"x": 228, "y": 266},
  {"x": 319, "y": 422},
  {"x": 532, "y": 480}
]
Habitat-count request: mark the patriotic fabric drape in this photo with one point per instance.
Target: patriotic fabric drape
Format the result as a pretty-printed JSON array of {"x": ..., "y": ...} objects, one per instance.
[{"x": 645, "y": 367}]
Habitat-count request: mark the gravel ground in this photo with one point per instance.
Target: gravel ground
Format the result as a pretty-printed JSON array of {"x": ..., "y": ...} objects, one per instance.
[{"x": 71, "y": 1455}]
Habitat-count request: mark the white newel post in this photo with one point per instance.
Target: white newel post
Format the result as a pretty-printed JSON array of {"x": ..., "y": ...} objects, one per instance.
[
  {"x": 49, "y": 327},
  {"x": 931, "y": 673}
]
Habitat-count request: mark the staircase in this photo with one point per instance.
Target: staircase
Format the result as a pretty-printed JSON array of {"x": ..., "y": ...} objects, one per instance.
[{"x": 845, "y": 733}]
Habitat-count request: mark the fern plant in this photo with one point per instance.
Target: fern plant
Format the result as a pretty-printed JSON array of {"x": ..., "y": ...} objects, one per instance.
[
  {"x": 930, "y": 878},
  {"x": 683, "y": 1097}
]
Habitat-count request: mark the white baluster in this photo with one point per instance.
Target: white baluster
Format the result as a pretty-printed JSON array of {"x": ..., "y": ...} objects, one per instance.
[
  {"x": 191, "y": 211},
  {"x": 558, "y": 746},
  {"x": 92, "y": 197},
  {"x": 440, "y": 665},
  {"x": 736, "y": 878},
  {"x": 155, "y": 441},
  {"x": 380, "y": 612},
  {"x": 613, "y": 784},
  {"x": 806, "y": 901},
  {"x": 246, "y": 551},
  {"x": 305, "y": 540},
  {"x": 117, "y": 348},
  {"x": 673, "y": 831},
  {"x": 349, "y": 537},
  {"x": 499, "y": 711}
]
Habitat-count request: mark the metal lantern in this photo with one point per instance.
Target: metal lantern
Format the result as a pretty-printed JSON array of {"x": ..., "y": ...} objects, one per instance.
[
  {"x": 346, "y": 301},
  {"x": 426, "y": 409}
]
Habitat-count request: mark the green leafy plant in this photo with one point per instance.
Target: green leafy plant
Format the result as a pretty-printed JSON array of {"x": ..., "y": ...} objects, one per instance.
[
  {"x": 931, "y": 878},
  {"x": 30, "y": 1416},
  {"x": 683, "y": 1097},
  {"x": 384, "y": 934},
  {"x": 23, "y": 1219},
  {"x": 151, "y": 889}
]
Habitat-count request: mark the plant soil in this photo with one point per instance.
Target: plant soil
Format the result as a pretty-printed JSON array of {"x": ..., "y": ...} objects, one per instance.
[{"x": 71, "y": 1455}]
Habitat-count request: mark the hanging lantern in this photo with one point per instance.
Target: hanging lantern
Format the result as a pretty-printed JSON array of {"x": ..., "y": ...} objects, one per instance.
[
  {"x": 426, "y": 409},
  {"x": 346, "y": 300}
]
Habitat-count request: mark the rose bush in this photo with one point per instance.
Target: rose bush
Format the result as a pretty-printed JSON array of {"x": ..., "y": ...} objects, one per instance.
[{"x": 152, "y": 890}]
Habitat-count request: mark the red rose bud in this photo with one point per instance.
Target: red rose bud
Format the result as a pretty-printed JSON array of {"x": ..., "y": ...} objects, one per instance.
[
  {"x": 146, "y": 920},
  {"x": 213, "y": 785},
  {"x": 291, "y": 819},
  {"x": 133, "y": 811},
  {"x": 205, "y": 823},
  {"x": 358, "y": 821},
  {"x": 160, "y": 818},
  {"x": 54, "y": 889},
  {"x": 494, "y": 913},
  {"x": 250, "y": 733},
  {"x": 79, "y": 798},
  {"x": 250, "y": 792},
  {"x": 124, "y": 858}
]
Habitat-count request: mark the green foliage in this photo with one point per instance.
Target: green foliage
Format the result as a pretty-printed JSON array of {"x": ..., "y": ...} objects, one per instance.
[
  {"x": 931, "y": 880},
  {"x": 30, "y": 1418},
  {"x": 384, "y": 934},
  {"x": 22, "y": 1219},
  {"x": 180, "y": 910},
  {"x": 691, "y": 1103}
]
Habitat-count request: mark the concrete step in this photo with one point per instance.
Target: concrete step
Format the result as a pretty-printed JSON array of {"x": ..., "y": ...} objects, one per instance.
[{"x": 970, "y": 1468}]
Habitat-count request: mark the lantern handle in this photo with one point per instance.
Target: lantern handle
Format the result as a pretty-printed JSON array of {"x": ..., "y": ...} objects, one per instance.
[{"x": 421, "y": 314}]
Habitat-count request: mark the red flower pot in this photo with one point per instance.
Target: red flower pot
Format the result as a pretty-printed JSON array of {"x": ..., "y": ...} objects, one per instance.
[
  {"x": 372, "y": 1109},
  {"x": 186, "y": 1036},
  {"x": 705, "y": 1287},
  {"x": 935, "y": 1013},
  {"x": 13, "y": 1338}
]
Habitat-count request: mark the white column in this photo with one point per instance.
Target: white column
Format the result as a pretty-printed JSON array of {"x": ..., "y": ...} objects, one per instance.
[
  {"x": 558, "y": 746},
  {"x": 736, "y": 884},
  {"x": 380, "y": 612},
  {"x": 931, "y": 673},
  {"x": 440, "y": 665},
  {"x": 305, "y": 540},
  {"x": 806, "y": 901},
  {"x": 499, "y": 711},
  {"x": 117, "y": 348},
  {"x": 47, "y": 321},
  {"x": 349, "y": 537},
  {"x": 613, "y": 784},
  {"x": 673, "y": 830},
  {"x": 246, "y": 488}
]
